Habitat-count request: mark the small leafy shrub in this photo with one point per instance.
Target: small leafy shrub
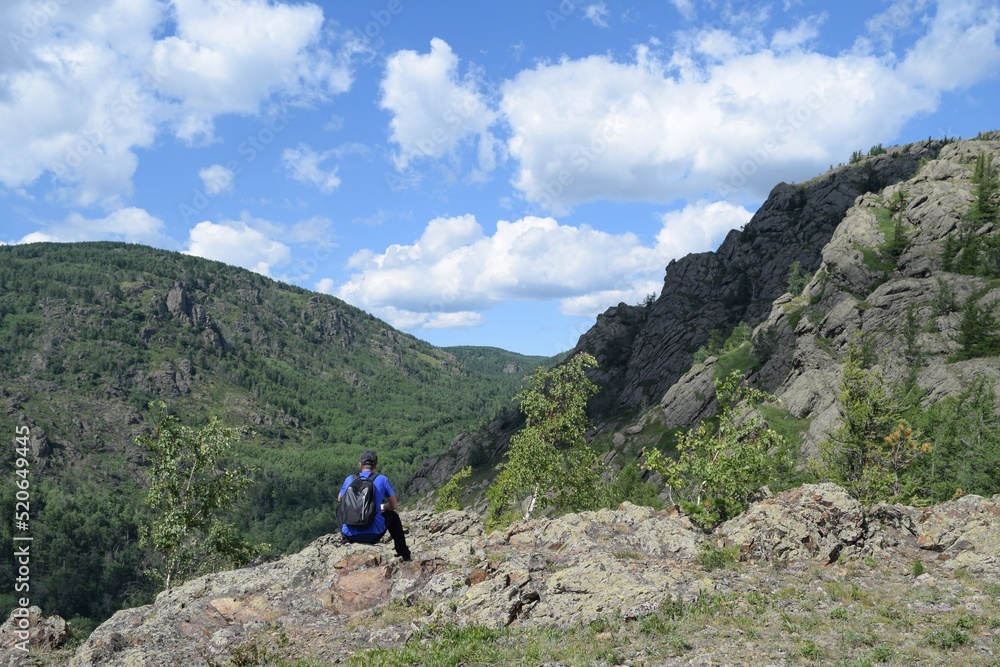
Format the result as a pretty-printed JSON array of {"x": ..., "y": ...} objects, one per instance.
[
  {"x": 450, "y": 492},
  {"x": 918, "y": 568},
  {"x": 797, "y": 279},
  {"x": 947, "y": 639}
]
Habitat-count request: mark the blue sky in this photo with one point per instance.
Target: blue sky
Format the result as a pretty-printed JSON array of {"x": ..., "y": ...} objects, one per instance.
[{"x": 472, "y": 173}]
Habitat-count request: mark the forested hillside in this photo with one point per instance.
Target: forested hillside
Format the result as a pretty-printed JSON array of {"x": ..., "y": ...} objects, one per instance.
[{"x": 91, "y": 333}]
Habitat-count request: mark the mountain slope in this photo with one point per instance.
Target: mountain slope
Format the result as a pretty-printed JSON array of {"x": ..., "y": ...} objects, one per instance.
[
  {"x": 91, "y": 333},
  {"x": 901, "y": 248},
  {"x": 884, "y": 278}
]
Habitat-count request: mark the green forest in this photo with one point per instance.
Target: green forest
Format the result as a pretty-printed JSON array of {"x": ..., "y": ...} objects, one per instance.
[{"x": 91, "y": 333}]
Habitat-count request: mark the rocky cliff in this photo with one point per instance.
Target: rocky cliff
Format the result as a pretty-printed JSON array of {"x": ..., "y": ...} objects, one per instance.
[
  {"x": 642, "y": 354},
  {"x": 834, "y": 227},
  {"x": 804, "y": 553},
  {"x": 908, "y": 307}
]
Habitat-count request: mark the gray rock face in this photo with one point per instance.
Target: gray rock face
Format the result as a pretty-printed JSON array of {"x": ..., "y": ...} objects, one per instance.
[
  {"x": 544, "y": 572},
  {"x": 813, "y": 521},
  {"x": 740, "y": 280},
  {"x": 909, "y": 310}
]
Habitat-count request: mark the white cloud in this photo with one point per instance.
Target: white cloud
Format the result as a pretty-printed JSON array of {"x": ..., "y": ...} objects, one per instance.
[
  {"x": 462, "y": 320},
  {"x": 685, "y": 8},
  {"x": 725, "y": 114},
  {"x": 230, "y": 56},
  {"x": 314, "y": 230},
  {"x": 597, "y": 13},
  {"x": 699, "y": 227},
  {"x": 303, "y": 164},
  {"x": 433, "y": 110},
  {"x": 95, "y": 81},
  {"x": 133, "y": 225},
  {"x": 798, "y": 36},
  {"x": 959, "y": 49},
  {"x": 454, "y": 271},
  {"x": 235, "y": 242},
  {"x": 216, "y": 179}
]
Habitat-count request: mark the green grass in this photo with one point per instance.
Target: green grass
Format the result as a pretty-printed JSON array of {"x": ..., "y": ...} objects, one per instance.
[
  {"x": 739, "y": 359},
  {"x": 784, "y": 424}
]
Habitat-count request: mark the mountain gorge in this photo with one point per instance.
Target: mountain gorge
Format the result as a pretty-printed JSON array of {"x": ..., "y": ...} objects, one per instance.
[
  {"x": 892, "y": 251},
  {"x": 91, "y": 333},
  {"x": 893, "y": 258}
]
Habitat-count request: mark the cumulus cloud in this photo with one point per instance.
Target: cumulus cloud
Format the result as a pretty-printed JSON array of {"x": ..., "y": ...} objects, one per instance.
[
  {"x": 798, "y": 36},
  {"x": 216, "y": 179},
  {"x": 455, "y": 270},
  {"x": 133, "y": 225},
  {"x": 97, "y": 80},
  {"x": 303, "y": 164},
  {"x": 433, "y": 109},
  {"x": 237, "y": 243},
  {"x": 230, "y": 56},
  {"x": 959, "y": 49},
  {"x": 723, "y": 113}
]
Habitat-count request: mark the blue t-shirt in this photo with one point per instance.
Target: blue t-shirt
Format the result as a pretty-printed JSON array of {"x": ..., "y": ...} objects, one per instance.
[{"x": 383, "y": 490}]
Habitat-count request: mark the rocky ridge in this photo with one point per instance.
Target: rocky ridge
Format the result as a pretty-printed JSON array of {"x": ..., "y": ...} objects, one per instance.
[
  {"x": 331, "y": 600},
  {"x": 807, "y": 334},
  {"x": 737, "y": 282}
]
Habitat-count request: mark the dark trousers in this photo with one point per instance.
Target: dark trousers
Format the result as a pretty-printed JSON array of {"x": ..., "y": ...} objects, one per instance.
[{"x": 394, "y": 526}]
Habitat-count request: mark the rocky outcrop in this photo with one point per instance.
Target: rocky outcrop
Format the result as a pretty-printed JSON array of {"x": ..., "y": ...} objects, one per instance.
[
  {"x": 812, "y": 521},
  {"x": 468, "y": 449},
  {"x": 908, "y": 308},
  {"x": 545, "y": 572},
  {"x": 331, "y": 600},
  {"x": 821, "y": 521},
  {"x": 27, "y": 631},
  {"x": 740, "y": 280}
]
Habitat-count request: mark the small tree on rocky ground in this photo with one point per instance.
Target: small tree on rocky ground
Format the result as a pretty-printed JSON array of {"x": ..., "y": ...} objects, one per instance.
[
  {"x": 869, "y": 451},
  {"x": 450, "y": 494},
  {"x": 190, "y": 488},
  {"x": 723, "y": 463},
  {"x": 549, "y": 461}
]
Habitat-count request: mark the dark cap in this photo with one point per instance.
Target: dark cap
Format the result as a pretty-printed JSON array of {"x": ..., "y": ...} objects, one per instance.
[{"x": 369, "y": 458}]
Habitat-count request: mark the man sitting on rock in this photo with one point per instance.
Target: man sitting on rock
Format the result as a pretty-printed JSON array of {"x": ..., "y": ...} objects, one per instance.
[{"x": 386, "y": 518}]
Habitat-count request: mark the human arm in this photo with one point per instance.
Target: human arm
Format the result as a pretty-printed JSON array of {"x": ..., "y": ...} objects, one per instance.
[{"x": 390, "y": 503}]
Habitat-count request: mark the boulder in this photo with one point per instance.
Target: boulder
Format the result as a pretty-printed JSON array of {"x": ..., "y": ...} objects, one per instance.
[
  {"x": 28, "y": 632},
  {"x": 814, "y": 521}
]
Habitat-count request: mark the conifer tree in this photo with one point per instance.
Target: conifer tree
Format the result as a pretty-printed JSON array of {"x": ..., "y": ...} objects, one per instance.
[{"x": 868, "y": 453}]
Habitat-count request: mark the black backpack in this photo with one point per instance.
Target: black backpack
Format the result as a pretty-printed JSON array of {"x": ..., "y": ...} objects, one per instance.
[{"x": 357, "y": 508}]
